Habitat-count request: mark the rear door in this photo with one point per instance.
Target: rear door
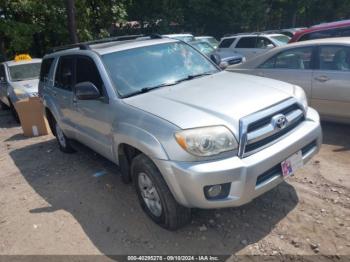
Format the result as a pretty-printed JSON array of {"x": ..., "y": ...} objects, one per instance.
[
  {"x": 93, "y": 118},
  {"x": 62, "y": 93},
  {"x": 294, "y": 66},
  {"x": 247, "y": 46},
  {"x": 331, "y": 82}
]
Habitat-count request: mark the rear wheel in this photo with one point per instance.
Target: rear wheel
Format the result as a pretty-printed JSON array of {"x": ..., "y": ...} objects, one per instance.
[
  {"x": 14, "y": 113},
  {"x": 155, "y": 197},
  {"x": 63, "y": 142}
]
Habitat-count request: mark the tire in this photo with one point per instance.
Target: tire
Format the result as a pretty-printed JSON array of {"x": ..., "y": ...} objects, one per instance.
[
  {"x": 3, "y": 106},
  {"x": 64, "y": 143},
  {"x": 14, "y": 113},
  {"x": 171, "y": 215}
]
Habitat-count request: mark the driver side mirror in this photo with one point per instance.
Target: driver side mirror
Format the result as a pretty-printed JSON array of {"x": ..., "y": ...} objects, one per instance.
[
  {"x": 215, "y": 58},
  {"x": 86, "y": 91}
]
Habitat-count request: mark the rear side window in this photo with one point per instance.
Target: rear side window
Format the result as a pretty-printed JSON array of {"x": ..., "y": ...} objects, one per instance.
[
  {"x": 45, "y": 68},
  {"x": 247, "y": 42},
  {"x": 334, "y": 58},
  {"x": 226, "y": 43},
  {"x": 87, "y": 72},
  {"x": 64, "y": 74}
]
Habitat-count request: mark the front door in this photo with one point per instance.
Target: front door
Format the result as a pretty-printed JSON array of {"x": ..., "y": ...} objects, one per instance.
[
  {"x": 331, "y": 83},
  {"x": 294, "y": 66},
  {"x": 93, "y": 118}
]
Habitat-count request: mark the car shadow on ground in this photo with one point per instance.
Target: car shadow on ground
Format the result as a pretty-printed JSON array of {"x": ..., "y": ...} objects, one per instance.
[
  {"x": 109, "y": 213},
  {"x": 336, "y": 134}
]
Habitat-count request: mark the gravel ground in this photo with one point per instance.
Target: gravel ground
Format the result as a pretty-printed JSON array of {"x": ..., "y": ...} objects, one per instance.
[{"x": 51, "y": 203}]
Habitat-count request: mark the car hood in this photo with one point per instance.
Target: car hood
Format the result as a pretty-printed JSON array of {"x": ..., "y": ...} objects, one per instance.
[
  {"x": 26, "y": 86},
  {"x": 218, "y": 99}
]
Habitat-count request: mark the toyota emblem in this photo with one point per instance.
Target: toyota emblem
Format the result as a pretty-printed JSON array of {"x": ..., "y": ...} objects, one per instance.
[{"x": 279, "y": 121}]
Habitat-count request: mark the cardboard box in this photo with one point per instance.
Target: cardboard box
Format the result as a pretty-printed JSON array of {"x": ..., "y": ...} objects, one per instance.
[{"x": 32, "y": 117}]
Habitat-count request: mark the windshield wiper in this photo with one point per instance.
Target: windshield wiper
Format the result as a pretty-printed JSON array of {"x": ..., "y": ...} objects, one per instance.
[{"x": 147, "y": 89}]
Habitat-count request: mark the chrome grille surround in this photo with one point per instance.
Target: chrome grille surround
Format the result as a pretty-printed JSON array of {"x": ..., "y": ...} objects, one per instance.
[{"x": 257, "y": 130}]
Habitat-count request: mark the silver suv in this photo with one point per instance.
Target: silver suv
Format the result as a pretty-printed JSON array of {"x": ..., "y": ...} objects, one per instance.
[{"x": 188, "y": 134}]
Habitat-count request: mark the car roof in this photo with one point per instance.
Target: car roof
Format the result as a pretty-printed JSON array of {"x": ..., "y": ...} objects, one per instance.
[
  {"x": 177, "y": 35},
  {"x": 204, "y": 36},
  {"x": 326, "y": 41},
  {"x": 115, "y": 46},
  {"x": 252, "y": 34},
  {"x": 31, "y": 61},
  {"x": 320, "y": 27}
]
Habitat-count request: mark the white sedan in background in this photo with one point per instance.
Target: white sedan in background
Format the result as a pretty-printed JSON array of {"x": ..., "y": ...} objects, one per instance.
[{"x": 321, "y": 67}]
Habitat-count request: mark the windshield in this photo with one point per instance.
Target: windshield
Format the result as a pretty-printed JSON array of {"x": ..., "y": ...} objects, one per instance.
[
  {"x": 150, "y": 66},
  {"x": 281, "y": 39},
  {"x": 24, "y": 71},
  {"x": 204, "y": 47},
  {"x": 212, "y": 41}
]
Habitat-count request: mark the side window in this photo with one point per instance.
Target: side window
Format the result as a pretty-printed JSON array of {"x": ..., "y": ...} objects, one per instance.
[
  {"x": 226, "y": 43},
  {"x": 2, "y": 72},
  {"x": 263, "y": 42},
  {"x": 87, "y": 72},
  {"x": 299, "y": 58},
  {"x": 64, "y": 73},
  {"x": 45, "y": 68},
  {"x": 247, "y": 42},
  {"x": 334, "y": 58}
]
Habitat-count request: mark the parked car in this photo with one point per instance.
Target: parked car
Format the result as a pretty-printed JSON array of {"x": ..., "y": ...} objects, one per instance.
[
  {"x": 186, "y": 133},
  {"x": 326, "y": 30},
  {"x": 209, "y": 39},
  {"x": 320, "y": 67},
  {"x": 19, "y": 79},
  {"x": 290, "y": 32},
  {"x": 224, "y": 56},
  {"x": 183, "y": 37},
  {"x": 252, "y": 44}
]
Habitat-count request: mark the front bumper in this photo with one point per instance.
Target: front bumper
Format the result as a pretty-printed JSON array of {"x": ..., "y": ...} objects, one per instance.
[{"x": 186, "y": 180}]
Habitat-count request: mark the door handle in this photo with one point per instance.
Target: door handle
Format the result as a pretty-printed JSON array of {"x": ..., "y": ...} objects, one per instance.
[{"x": 322, "y": 78}]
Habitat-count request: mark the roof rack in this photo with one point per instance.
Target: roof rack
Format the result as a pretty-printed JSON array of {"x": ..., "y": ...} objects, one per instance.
[
  {"x": 86, "y": 45},
  {"x": 246, "y": 33}
]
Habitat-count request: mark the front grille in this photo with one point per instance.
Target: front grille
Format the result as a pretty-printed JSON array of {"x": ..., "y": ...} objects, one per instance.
[{"x": 260, "y": 130}]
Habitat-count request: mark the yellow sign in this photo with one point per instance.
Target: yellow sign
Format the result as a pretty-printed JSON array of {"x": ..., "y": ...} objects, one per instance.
[{"x": 22, "y": 57}]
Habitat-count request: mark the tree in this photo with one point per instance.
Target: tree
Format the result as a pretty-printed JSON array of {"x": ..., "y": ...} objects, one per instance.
[{"x": 72, "y": 26}]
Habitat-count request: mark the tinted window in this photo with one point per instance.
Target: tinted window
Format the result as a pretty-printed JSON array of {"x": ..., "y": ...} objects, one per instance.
[
  {"x": 247, "y": 42},
  {"x": 64, "y": 74},
  {"x": 45, "y": 68},
  {"x": 299, "y": 58},
  {"x": 226, "y": 43},
  {"x": 86, "y": 71},
  {"x": 335, "y": 58}
]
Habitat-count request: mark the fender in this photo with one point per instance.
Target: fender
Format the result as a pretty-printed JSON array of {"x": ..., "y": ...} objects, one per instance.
[
  {"x": 49, "y": 104},
  {"x": 125, "y": 133}
]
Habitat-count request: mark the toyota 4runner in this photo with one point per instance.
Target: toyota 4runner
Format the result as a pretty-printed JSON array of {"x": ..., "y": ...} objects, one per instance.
[{"x": 186, "y": 133}]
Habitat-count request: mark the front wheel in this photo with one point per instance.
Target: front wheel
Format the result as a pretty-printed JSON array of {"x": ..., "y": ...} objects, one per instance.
[
  {"x": 63, "y": 141},
  {"x": 155, "y": 197}
]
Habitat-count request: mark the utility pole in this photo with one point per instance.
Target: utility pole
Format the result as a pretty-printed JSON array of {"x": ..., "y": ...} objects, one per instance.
[{"x": 72, "y": 25}]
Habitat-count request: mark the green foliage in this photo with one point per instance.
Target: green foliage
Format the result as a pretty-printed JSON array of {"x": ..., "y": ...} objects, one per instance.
[{"x": 35, "y": 26}]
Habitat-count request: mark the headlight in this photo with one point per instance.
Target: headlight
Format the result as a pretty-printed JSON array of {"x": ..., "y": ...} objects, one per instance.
[
  {"x": 206, "y": 141},
  {"x": 300, "y": 96}
]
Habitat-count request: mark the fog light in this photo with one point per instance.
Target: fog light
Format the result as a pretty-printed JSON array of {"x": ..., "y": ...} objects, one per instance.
[
  {"x": 214, "y": 191},
  {"x": 218, "y": 191}
]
